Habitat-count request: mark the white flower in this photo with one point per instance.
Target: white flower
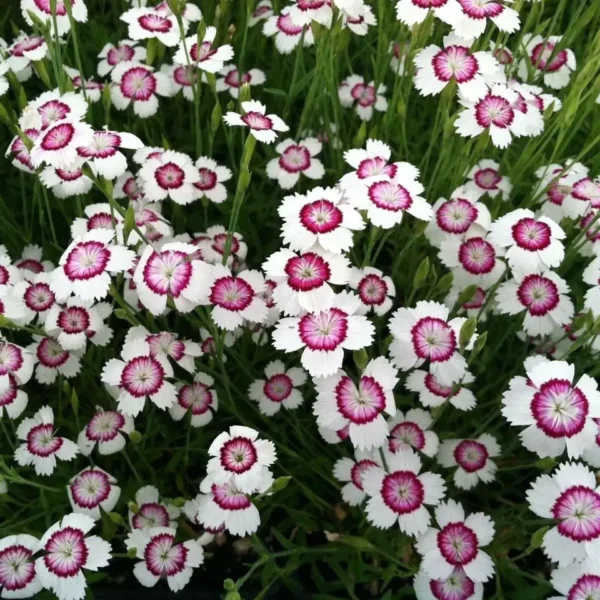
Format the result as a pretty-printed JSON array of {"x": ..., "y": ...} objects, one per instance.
[
  {"x": 67, "y": 182},
  {"x": 542, "y": 297},
  {"x": 579, "y": 579},
  {"x": 139, "y": 376},
  {"x": 457, "y": 543},
  {"x": 108, "y": 430},
  {"x": 374, "y": 160},
  {"x": 31, "y": 262},
  {"x": 124, "y": 51},
  {"x": 205, "y": 57},
  {"x": 341, "y": 401},
  {"x": 51, "y": 107},
  {"x": 85, "y": 265},
  {"x": 15, "y": 362},
  {"x": 262, "y": 126},
  {"x": 533, "y": 243},
  {"x": 287, "y": 34},
  {"x": 239, "y": 459},
  {"x": 67, "y": 551},
  {"x": 103, "y": 155},
  {"x": 375, "y": 290},
  {"x": 353, "y": 91},
  {"x": 41, "y": 446},
  {"x": 485, "y": 178},
  {"x": 93, "y": 89},
  {"x": 13, "y": 401},
  {"x": 171, "y": 175},
  {"x": 325, "y": 335},
  {"x": 472, "y": 18},
  {"x": 151, "y": 512},
  {"x": 147, "y": 23},
  {"x": 198, "y": 399},
  {"x": 98, "y": 216},
  {"x": 411, "y": 431},
  {"x": 52, "y": 359},
  {"x": 91, "y": 490},
  {"x": 425, "y": 333},
  {"x": 457, "y": 585},
  {"x": 263, "y": 10},
  {"x": 555, "y": 67},
  {"x": 137, "y": 84},
  {"x": 320, "y": 216},
  {"x": 233, "y": 80},
  {"x": 278, "y": 389},
  {"x": 210, "y": 184},
  {"x": 401, "y": 495},
  {"x": 303, "y": 12},
  {"x": 591, "y": 276},
  {"x": 557, "y": 410},
  {"x": 411, "y": 12},
  {"x": 472, "y": 71},
  {"x": 18, "y": 578},
  {"x": 19, "y": 152},
  {"x": 351, "y": 472},
  {"x": 24, "y": 50},
  {"x": 571, "y": 497},
  {"x": 432, "y": 393},
  {"x": 296, "y": 159},
  {"x": 361, "y": 20},
  {"x": 494, "y": 113},
  {"x": 42, "y": 9},
  {"x": 473, "y": 459},
  {"x": 57, "y": 144},
  {"x": 163, "y": 557},
  {"x": 303, "y": 280}
]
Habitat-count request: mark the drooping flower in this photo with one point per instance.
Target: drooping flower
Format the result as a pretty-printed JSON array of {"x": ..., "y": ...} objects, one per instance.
[
  {"x": 279, "y": 389},
  {"x": 240, "y": 459},
  {"x": 401, "y": 495},
  {"x": 204, "y": 57},
  {"x": 262, "y": 126},
  {"x": 432, "y": 393},
  {"x": 425, "y": 333},
  {"x": 472, "y": 459},
  {"x": 558, "y": 411},
  {"x": 262, "y": 11},
  {"x": 91, "y": 490},
  {"x": 320, "y": 216},
  {"x": 353, "y": 91},
  {"x": 198, "y": 399},
  {"x": 456, "y": 543},
  {"x": 107, "y": 430},
  {"x": 13, "y": 401},
  {"x": 19, "y": 152},
  {"x": 41, "y": 446},
  {"x": 66, "y": 552},
  {"x": 571, "y": 497},
  {"x": 124, "y": 51},
  {"x": 210, "y": 183},
  {"x": 15, "y": 362},
  {"x": 412, "y": 431},
  {"x": 296, "y": 159},
  {"x": 351, "y": 472},
  {"x": 485, "y": 178},
  {"x": 150, "y": 512},
  {"x": 162, "y": 557},
  {"x": 554, "y": 66},
  {"x": 232, "y": 80},
  {"x": 325, "y": 335},
  {"x": 18, "y": 577},
  {"x": 360, "y": 20},
  {"x": 341, "y": 401},
  {"x": 139, "y": 376}
]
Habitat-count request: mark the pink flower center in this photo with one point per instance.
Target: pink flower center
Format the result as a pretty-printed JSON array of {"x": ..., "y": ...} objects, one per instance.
[
  {"x": 578, "y": 510},
  {"x": 257, "y": 121},
  {"x": 206, "y": 51},
  {"x": 406, "y": 435},
  {"x": 236, "y": 79},
  {"x": 86, "y": 260},
  {"x": 163, "y": 557},
  {"x": 538, "y": 294},
  {"x": 560, "y": 410},
  {"x": 494, "y": 110},
  {"x": 503, "y": 56},
  {"x": 429, "y": 3},
  {"x": 228, "y": 497},
  {"x": 90, "y": 488},
  {"x": 168, "y": 272},
  {"x": 104, "y": 144},
  {"x": 455, "y": 62},
  {"x": 26, "y": 45},
  {"x": 364, "y": 94},
  {"x": 100, "y": 220},
  {"x": 138, "y": 84},
  {"x": 142, "y": 376},
  {"x": 219, "y": 242},
  {"x": 487, "y": 179},
  {"x": 359, "y": 469},
  {"x": 360, "y": 405},
  {"x": 287, "y": 26},
  {"x": 540, "y": 57},
  {"x": 370, "y": 167},
  {"x": 166, "y": 344},
  {"x": 208, "y": 179},
  {"x": 155, "y": 23},
  {"x": 30, "y": 264},
  {"x": 38, "y": 297},
  {"x": 17, "y": 570},
  {"x": 481, "y": 9},
  {"x": 104, "y": 426},
  {"x": 471, "y": 455},
  {"x": 436, "y": 388},
  {"x": 169, "y": 176},
  {"x": 307, "y": 272},
  {"x": 9, "y": 395},
  {"x": 197, "y": 396},
  {"x": 231, "y": 293},
  {"x": 458, "y": 544},
  {"x": 477, "y": 300},
  {"x": 58, "y": 137},
  {"x": 278, "y": 387},
  {"x": 587, "y": 587},
  {"x": 66, "y": 552},
  {"x": 433, "y": 339},
  {"x": 11, "y": 358},
  {"x": 45, "y": 6},
  {"x": 69, "y": 175},
  {"x": 150, "y": 514},
  {"x": 531, "y": 235},
  {"x": 477, "y": 256},
  {"x": 455, "y": 587},
  {"x": 588, "y": 191},
  {"x": 456, "y": 216},
  {"x": 402, "y": 492},
  {"x": 120, "y": 54},
  {"x": 74, "y": 319},
  {"x": 41, "y": 441},
  {"x": 324, "y": 330},
  {"x": 51, "y": 354},
  {"x": 238, "y": 455},
  {"x": 53, "y": 110},
  {"x": 295, "y": 159},
  {"x": 372, "y": 290},
  {"x": 389, "y": 195},
  {"x": 321, "y": 216}
]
